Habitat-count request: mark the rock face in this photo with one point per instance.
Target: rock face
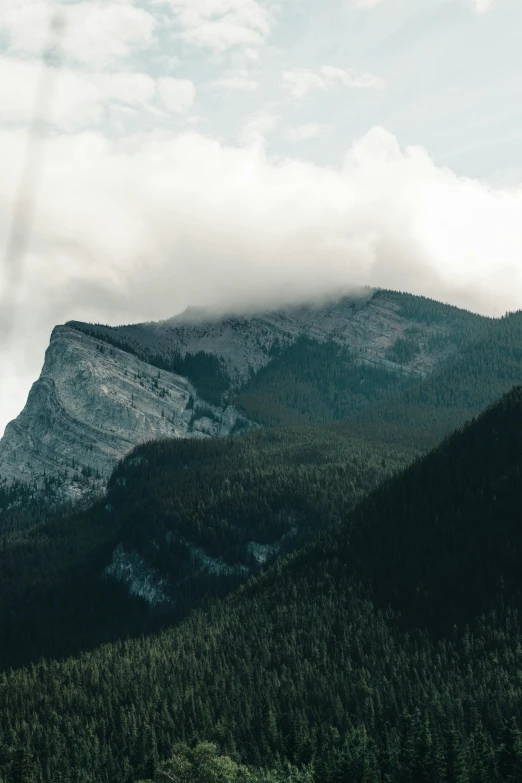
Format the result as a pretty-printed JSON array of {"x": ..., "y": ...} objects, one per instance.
[{"x": 91, "y": 405}]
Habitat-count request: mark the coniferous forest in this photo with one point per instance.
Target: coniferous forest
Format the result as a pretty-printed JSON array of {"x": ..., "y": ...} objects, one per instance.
[{"x": 332, "y": 597}]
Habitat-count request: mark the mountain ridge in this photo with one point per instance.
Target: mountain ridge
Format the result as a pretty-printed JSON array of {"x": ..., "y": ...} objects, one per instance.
[{"x": 104, "y": 389}]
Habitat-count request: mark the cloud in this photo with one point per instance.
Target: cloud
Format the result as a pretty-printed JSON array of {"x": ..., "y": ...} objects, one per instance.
[
  {"x": 85, "y": 99},
  {"x": 237, "y": 80},
  {"x": 25, "y": 24},
  {"x": 310, "y": 130},
  {"x": 481, "y": 6},
  {"x": 365, "y": 3},
  {"x": 141, "y": 227},
  {"x": 97, "y": 34},
  {"x": 221, "y": 25},
  {"x": 177, "y": 94},
  {"x": 256, "y": 130},
  {"x": 300, "y": 81}
]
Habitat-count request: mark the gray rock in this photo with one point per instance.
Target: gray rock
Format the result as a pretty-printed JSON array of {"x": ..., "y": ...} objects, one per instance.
[{"x": 91, "y": 405}]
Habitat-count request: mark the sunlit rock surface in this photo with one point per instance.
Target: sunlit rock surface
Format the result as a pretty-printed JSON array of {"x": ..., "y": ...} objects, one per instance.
[{"x": 91, "y": 405}]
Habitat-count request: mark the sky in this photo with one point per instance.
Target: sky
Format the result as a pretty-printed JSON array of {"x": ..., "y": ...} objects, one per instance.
[{"x": 238, "y": 154}]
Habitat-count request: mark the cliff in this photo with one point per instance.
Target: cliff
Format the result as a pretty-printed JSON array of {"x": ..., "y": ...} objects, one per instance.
[{"x": 90, "y": 406}]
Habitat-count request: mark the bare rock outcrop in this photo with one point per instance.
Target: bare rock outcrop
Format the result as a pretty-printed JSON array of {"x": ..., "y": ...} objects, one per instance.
[{"x": 90, "y": 406}]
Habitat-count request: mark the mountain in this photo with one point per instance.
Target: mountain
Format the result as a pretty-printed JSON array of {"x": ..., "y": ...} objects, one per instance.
[
  {"x": 388, "y": 649},
  {"x": 369, "y": 323},
  {"x": 104, "y": 389}
]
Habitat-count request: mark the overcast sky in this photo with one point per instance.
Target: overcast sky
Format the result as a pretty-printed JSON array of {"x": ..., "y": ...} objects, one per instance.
[{"x": 242, "y": 152}]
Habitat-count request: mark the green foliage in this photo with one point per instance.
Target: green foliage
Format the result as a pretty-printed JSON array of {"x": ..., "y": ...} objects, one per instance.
[
  {"x": 314, "y": 382},
  {"x": 22, "y": 506},
  {"x": 403, "y": 351},
  {"x": 203, "y": 763},
  {"x": 374, "y": 654},
  {"x": 169, "y": 501},
  {"x": 428, "y": 311},
  {"x": 459, "y": 389},
  {"x": 204, "y": 370},
  {"x": 387, "y": 648}
]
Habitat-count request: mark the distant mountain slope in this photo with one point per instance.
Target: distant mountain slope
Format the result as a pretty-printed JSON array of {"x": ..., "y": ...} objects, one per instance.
[
  {"x": 368, "y": 324},
  {"x": 485, "y": 368},
  {"x": 104, "y": 389},
  {"x": 387, "y": 650}
]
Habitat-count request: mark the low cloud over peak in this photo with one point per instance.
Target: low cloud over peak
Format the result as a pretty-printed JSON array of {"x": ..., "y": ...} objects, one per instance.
[
  {"x": 281, "y": 193},
  {"x": 182, "y": 219},
  {"x": 185, "y": 220}
]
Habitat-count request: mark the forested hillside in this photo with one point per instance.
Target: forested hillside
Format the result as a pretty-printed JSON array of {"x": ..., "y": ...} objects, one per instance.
[
  {"x": 317, "y": 382},
  {"x": 333, "y": 380},
  {"x": 487, "y": 367},
  {"x": 325, "y": 382},
  {"x": 183, "y": 521},
  {"x": 387, "y": 650}
]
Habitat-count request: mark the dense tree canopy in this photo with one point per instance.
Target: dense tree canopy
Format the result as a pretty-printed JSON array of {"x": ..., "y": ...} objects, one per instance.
[{"x": 351, "y": 659}]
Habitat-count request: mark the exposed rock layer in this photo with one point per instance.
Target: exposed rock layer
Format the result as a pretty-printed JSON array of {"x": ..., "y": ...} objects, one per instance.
[{"x": 91, "y": 405}]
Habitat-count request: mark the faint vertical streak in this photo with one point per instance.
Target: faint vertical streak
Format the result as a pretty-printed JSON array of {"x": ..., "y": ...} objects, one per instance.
[{"x": 19, "y": 235}]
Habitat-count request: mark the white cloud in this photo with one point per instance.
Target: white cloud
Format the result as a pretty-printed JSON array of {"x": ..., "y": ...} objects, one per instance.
[
  {"x": 177, "y": 94},
  {"x": 256, "y": 130},
  {"x": 83, "y": 99},
  {"x": 142, "y": 227},
  {"x": 351, "y": 78},
  {"x": 237, "y": 80},
  {"x": 481, "y": 6},
  {"x": 101, "y": 33},
  {"x": 307, "y": 131},
  {"x": 25, "y": 23},
  {"x": 366, "y": 3},
  {"x": 300, "y": 81},
  {"x": 220, "y": 25},
  {"x": 96, "y": 33}
]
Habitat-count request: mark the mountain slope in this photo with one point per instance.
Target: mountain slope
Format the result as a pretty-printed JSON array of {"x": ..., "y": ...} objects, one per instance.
[
  {"x": 368, "y": 324},
  {"x": 486, "y": 367},
  {"x": 310, "y": 661},
  {"x": 104, "y": 389},
  {"x": 184, "y": 521}
]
